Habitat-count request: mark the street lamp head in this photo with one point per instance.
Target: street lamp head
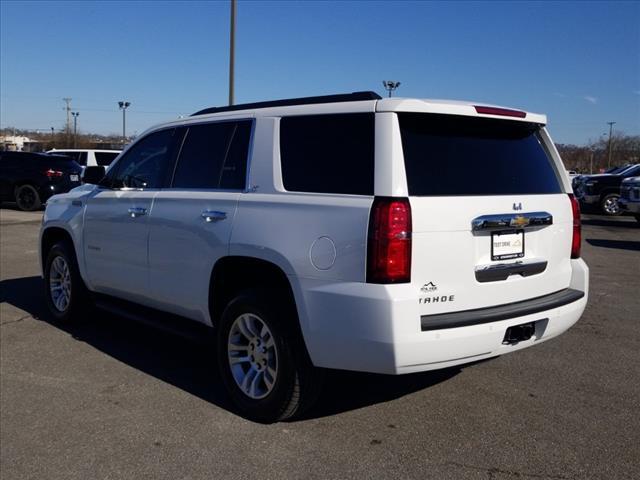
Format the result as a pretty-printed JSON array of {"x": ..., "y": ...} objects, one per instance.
[
  {"x": 120, "y": 104},
  {"x": 390, "y": 85}
]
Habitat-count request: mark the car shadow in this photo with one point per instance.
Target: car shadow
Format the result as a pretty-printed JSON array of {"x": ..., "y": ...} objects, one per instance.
[
  {"x": 618, "y": 222},
  {"x": 619, "y": 244},
  {"x": 14, "y": 206},
  {"x": 191, "y": 366}
]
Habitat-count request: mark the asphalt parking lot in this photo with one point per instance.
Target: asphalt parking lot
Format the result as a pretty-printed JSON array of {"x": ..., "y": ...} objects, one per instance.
[{"x": 109, "y": 399}]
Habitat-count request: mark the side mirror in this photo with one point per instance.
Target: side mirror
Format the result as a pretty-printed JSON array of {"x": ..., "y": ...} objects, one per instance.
[{"x": 93, "y": 175}]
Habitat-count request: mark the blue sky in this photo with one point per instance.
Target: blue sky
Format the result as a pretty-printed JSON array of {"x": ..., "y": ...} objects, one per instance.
[{"x": 578, "y": 62}]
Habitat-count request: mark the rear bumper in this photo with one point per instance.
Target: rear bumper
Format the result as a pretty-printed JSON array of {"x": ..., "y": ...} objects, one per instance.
[
  {"x": 376, "y": 328},
  {"x": 627, "y": 206},
  {"x": 48, "y": 190}
]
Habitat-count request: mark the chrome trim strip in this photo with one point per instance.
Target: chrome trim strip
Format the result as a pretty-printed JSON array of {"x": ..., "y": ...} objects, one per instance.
[
  {"x": 510, "y": 221},
  {"x": 502, "y": 271}
]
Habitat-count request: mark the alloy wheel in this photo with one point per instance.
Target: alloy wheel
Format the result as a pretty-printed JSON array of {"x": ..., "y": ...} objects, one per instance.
[
  {"x": 26, "y": 198},
  {"x": 253, "y": 356},
  {"x": 60, "y": 283},
  {"x": 611, "y": 206}
]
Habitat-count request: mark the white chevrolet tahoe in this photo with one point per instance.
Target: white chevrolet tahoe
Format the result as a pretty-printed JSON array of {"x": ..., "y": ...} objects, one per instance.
[{"x": 345, "y": 232}]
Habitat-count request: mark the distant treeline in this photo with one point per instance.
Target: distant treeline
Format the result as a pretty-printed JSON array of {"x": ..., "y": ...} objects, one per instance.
[
  {"x": 42, "y": 140},
  {"x": 594, "y": 157}
]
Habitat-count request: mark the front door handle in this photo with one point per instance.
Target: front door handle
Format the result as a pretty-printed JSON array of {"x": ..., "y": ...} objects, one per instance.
[
  {"x": 137, "y": 212},
  {"x": 213, "y": 216}
]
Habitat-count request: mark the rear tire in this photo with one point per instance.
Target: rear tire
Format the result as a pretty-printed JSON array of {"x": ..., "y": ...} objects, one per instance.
[
  {"x": 66, "y": 295},
  {"x": 28, "y": 198},
  {"x": 262, "y": 359},
  {"x": 609, "y": 204}
]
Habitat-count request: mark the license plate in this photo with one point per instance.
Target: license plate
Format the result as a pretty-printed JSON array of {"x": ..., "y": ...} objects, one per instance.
[
  {"x": 507, "y": 245},
  {"x": 74, "y": 178}
]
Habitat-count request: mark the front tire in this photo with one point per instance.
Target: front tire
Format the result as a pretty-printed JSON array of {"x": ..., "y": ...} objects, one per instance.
[
  {"x": 263, "y": 363},
  {"x": 65, "y": 293},
  {"x": 28, "y": 198},
  {"x": 609, "y": 204}
]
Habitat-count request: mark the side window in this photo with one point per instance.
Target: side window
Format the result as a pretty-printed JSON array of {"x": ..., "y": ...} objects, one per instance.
[
  {"x": 145, "y": 164},
  {"x": 328, "y": 153},
  {"x": 214, "y": 155},
  {"x": 234, "y": 170},
  {"x": 104, "y": 159},
  {"x": 82, "y": 158}
]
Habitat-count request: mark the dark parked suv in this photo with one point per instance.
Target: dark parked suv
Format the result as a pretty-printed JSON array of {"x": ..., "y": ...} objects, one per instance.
[
  {"x": 30, "y": 179},
  {"x": 603, "y": 190}
]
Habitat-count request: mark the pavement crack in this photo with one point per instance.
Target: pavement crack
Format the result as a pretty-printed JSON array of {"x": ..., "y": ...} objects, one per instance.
[
  {"x": 15, "y": 321},
  {"x": 492, "y": 471}
]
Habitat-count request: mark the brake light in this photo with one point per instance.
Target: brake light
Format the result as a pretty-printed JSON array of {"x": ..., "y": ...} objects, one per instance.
[
  {"x": 577, "y": 229},
  {"x": 389, "y": 245},
  {"x": 504, "y": 112},
  {"x": 53, "y": 173}
]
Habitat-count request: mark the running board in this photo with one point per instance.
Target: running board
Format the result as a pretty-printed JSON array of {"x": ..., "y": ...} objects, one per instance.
[{"x": 166, "y": 322}]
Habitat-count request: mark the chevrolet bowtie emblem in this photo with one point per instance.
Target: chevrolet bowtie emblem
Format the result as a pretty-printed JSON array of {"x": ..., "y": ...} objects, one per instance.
[{"x": 519, "y": 221}]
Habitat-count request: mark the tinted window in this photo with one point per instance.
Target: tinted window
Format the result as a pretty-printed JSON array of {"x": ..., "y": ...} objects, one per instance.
[
  {"x": 328, "y": 153},
  {"x": 632, "y": 172},
  {"x": 455, "y": 155},
  {"x": 104, "y": 159},
  {"x": 214, "y": 155},
  {"x": 145, "y": 163}
]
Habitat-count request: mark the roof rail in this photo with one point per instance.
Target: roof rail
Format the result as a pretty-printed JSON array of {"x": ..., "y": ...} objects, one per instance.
[{"x": 343, "y": 97}]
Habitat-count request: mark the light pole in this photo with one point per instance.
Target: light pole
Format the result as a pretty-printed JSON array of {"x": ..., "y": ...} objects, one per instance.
[
  {"x": 75, "y": 128},
  {"x": 611, "y": 124},
  {"x": 123, "y": 106},
  {"x": 390, "y": 86},
  {"x": 232, "y": 51}
]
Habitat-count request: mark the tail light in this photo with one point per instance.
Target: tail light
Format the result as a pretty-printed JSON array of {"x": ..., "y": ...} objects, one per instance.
[
  {"x": 389, "y": 245},
  {"x": 53, "y": 173},
  {"x": 577, "y": 229},
  {"x": 505, "y": 112}
]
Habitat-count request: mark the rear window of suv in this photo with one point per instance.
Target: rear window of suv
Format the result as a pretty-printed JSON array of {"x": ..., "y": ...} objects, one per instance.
[
  {"x": 328, "y": 153},
  {"x": 104, "y": 159},
  {"x": 447, "y": 155}
]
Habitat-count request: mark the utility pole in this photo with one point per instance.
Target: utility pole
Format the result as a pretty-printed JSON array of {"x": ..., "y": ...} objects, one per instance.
[
  {"x": 123, "y": 106},
  {"x": 67, "y": 129},
  {"x": 390, "y": 86},
  {"x": 75, "y": 128},
  {"x": 67, "y": 100},
  {"x": 611, "y": 124},
  {"x": 232, "y": 51}
]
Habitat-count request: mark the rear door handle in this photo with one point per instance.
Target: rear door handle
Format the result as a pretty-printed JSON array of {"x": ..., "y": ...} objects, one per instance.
[
  {"x": 213, "y": 216},
  {"x": 137, "y": 212}
]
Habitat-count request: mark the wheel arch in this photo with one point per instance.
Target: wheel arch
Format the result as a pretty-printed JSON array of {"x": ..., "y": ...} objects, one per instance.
[
  {"x": 49, "y": 237},
  {"x": 234, "y": 273},
  {"x": 608, "y": 191}
]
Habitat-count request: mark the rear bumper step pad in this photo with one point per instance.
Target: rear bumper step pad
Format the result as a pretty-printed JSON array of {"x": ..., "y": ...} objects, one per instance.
[{"x": 479, "y": 316}]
